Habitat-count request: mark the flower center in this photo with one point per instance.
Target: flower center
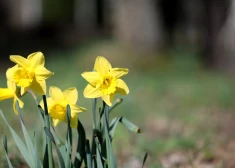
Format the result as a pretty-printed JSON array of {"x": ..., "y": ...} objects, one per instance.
[
  {"x": 108, "y": 84},
  {"x": 23, "y": 77},
  {"x": 57, "y": 111}
]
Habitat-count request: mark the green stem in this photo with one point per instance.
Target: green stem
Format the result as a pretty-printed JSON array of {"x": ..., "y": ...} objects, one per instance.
[{"x": 48, "y": 141}]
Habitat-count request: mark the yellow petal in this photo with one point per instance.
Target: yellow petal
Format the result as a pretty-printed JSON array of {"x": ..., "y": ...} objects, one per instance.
[
  {"x": 92, "y": 77},
  {"x": 56, "y": 122},
  {"x": 21, "y": 61},
  {"x": 74, "y": 121},
  {"x": 6, "y": 93},
  {"x": 23, "y": 90},
  {"x": 56, "y": 94},
  {"x": 11, "y": 85},
  {"x": 21, "y": 104},
  {"x": 10, "y": 73},
  {"x": 122, "y": 88},
  {"x": 91, "y": 92},
  {"x": 71, "y": 95},
  {"x": 76, "y": 109},
  {"x": 36, "y": 59},
  {"x": 108, "y": 99},
  {"x": 38, "y": 87},
  {"x": 50, "y": 103},
  {"x": 102, "y": 65},
  {"x": 42, "y": 73},
  {"x": 119, "y": 72}
]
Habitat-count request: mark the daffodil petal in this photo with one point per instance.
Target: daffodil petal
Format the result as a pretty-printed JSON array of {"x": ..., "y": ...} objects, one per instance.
[
  {"x": 119, "y": 72},
  {"x": 76, "y": 109},
  {"x": 36, "y": 59},
  {"x": 74, "y": 121},
  {"x": 11, "y": 85},
  {"x": 50, "y": 103},
  {"x": 23, "y": 90},
  {"x": 92, "y": 77},
  {"x": 108, "y": 99},
  {"x": 6, "y": 93},
  {"x": 21, "y": 104},
  {"x": 56, "y": 122},
  {"x": 102, "y": 65},
  {"x": 38, "y": 87},
  {"x": 10, "y": 73},
  {"x": 56, "y": 94},
  {"x": 122, "y": 88},
  {"x": 42, "y": 73},
  {"x": 21, "y": 61},
  {"x": 91, "y": 92},
  {"x": 71, "y": 95}
]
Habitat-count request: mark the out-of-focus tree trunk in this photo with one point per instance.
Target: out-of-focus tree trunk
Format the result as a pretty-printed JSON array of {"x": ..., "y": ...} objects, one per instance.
[
  {"x": 24, "y": 14},
  {"x": 136, "y": 24},
  {"x": 225, "y": 57}
]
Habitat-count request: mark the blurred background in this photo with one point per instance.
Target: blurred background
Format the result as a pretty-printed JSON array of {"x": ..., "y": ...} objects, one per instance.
[{"x": 181, "y": 60}]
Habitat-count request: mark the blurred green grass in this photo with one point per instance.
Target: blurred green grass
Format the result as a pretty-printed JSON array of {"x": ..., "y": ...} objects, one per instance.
[{"x": 172, "y": 98}]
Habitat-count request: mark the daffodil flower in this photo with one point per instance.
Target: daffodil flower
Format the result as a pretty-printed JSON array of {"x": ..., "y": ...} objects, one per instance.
[
  {"x": 11, "y": 92},
  {"x": 105, "y": 81},
  {"x": 29, "y": 73},
  {"x": 57, "y": 103}
]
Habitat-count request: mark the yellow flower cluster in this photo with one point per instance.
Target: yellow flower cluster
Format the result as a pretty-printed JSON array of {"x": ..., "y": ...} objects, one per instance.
[{"x": 30, "y": 74}]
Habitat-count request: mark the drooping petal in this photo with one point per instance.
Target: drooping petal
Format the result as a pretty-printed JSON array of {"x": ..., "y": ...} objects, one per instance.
[
  {"x": 21, "y": 104},
  {"x": 56, "y": 94},
  {"x": 36, "y": 59},
  {"x": 76, "y": 109},
  {"x": 71, "y": 95},
  {"x": 108, "y": 99},
  {"x": 56, "y": 122},
  {"x": 38, "y": 87},
  {"x": 91, "y": 92},
  {"x": 6, "y": 93},
  {"x": 92, "y": 77},
  {"x": 10, "y": 73},
  {"x": 119, "y": 72},
  {"x": 74, "y": 121},
  {"x": 23, "y": 90},
  {"x": 21, "y": 61},
  {"x": 102, "y": 65},
  {"x": 122, "y": 88},
  {"x": 42, "y": 73}
]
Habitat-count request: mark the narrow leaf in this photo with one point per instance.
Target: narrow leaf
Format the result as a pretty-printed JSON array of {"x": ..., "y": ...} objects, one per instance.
[
  {"x": 88, "y": 154},
  {"x": 61, "y": 160},
  {"x": 144, "y": 160},
  {"x": 19, "y": 143},
  {"x": 4, "y": 141}
]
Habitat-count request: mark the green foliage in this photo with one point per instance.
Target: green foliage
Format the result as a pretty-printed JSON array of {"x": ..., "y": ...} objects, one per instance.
[{"x": 99, "y": 155}]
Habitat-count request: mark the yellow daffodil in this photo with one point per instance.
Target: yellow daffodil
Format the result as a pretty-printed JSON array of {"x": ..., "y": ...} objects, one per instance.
[
  {"x": 105, "y": 81},
  {"x": 11, "y": 92},
  {"x": 57, "y": 103},
  {"x": 29, "y": 73}
]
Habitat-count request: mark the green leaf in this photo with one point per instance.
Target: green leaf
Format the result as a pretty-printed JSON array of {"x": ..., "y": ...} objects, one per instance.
[
  {"x": 4, "y": 141},
  {"x": 110, "y": 155},
  {"x": 19, "y": 143},
  {"x": 144, "y": 160},
  {"x": 80, "y": 152},
  {"x": 88, "y": 154},
  {"x": 129, "y": 125},
  {"x": 113, "y": 126},
  {"x": 98, "y": 155},
  {"x": 38, "y": 162},
  {"x": 68, "y": 139},
  {"x": 61, "y": 160},
  {"x": 29, "y": 143}
]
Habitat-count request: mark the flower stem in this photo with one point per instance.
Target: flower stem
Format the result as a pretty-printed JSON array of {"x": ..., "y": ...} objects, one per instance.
[{"x": 48, "y": 141}]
